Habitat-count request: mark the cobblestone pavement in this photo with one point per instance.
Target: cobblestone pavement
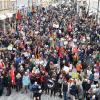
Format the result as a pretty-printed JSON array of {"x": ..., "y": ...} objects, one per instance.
[{"x": 19, "y": 96}]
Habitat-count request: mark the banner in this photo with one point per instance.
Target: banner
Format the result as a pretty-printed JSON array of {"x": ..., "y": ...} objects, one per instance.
[{"x": 22, "y": 3}]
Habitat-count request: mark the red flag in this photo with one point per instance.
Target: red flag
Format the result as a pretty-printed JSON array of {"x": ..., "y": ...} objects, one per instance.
[{"x": 18, "y": 15}]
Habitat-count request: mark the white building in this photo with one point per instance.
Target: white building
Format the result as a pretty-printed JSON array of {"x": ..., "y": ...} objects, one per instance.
[{"x": 93, "y": 5}]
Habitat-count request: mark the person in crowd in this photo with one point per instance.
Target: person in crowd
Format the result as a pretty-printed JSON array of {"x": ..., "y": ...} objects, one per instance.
[
  {"x": 36, "y": 89},
  {"x": 18, "y": 80},
  {"x": 25, "y": 82},
  {"x": 73, "y": 91},
  {"x": 65, "y": 90},
  {"x": 1, "y": 84},
  {"x": 86, "y": 86},
  {"x": 96, "y": 76},
  {"x": 78, "y": 67},
  {"x": 7, "y": 83}
]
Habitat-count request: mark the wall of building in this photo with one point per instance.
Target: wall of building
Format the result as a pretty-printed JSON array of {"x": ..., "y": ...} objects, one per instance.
[
  {"x": 42, "y": 2},
  {"x": 7, "y": 6},
  {"x": 93, "y": 5},
  {"x": 4, "y": 4}
]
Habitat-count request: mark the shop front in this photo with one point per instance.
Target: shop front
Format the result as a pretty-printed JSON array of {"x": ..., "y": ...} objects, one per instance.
[
  {"x": 6, "y": 22},
  {"x": 2, "y": 23}
]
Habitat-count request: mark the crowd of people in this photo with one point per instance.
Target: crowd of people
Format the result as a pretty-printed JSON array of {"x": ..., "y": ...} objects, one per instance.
[{"x": 54, "y": 51}]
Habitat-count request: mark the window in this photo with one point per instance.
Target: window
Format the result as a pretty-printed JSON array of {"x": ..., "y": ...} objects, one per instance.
[
  {"x": 5, "y": 4},
  {"x": 0, "y": 5},
  {"x": 8, "y": 5}
]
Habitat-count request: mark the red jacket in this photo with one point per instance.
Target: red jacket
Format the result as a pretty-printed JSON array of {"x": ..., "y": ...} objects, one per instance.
[{"x": 12, "y": 75}]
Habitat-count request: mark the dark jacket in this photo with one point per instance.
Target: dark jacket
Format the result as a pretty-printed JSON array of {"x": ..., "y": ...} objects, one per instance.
[
  {"x": 65, "y": 87},
  {"x": 1, "y": 83},
  {"x": 7, "y": 81},
  {"x": 74, "y": 90},
  {"x": 86, "y": 86},
  {"x": 91, "y": 78}
]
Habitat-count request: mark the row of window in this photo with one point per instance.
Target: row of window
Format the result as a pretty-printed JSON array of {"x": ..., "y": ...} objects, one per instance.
[{"x": 4, "y": 5}]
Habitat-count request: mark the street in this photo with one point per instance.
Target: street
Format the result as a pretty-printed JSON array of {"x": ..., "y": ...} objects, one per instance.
[{"x": 19, "y": 96}]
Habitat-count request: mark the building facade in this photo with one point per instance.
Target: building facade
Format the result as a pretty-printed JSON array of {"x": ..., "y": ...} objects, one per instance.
[{"x": 4, "y": 4}]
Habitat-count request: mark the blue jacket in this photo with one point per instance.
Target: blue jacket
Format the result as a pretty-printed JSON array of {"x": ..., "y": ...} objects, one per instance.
[
  {"x": 18, "y": 59},
  {"x": 26, "y": 80},
  {"x": 73, "y": 90},
  {"x": 91, "y": 78}
]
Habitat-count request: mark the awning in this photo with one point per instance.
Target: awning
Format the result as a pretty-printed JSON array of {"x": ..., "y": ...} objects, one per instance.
[
  {"x": 9, "y": 15},
  {"x": 2, "y": 17}
]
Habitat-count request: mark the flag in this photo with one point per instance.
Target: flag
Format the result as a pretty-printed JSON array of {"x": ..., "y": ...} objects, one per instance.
[{"x": 18, "y": 15}]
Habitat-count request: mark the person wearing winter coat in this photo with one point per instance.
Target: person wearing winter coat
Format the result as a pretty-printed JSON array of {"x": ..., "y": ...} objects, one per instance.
[
  {"x": 65, "y": 90},
  {"x": 91, "y": 77},
  {"x": 46, "y": 78},
  {"x": 18, "y": 82},
  {"x": 96, "y": 77},
  {"x": 1, "y": 85},
  {"x": 86, "y": 86},
  {"x": 80, "y": 93},
  {"x": 36, "y": 89},
  {"x": 73, "y": 91},
  {"x": 7, "y": 83},
  {"x": 25, "y": 81}
]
